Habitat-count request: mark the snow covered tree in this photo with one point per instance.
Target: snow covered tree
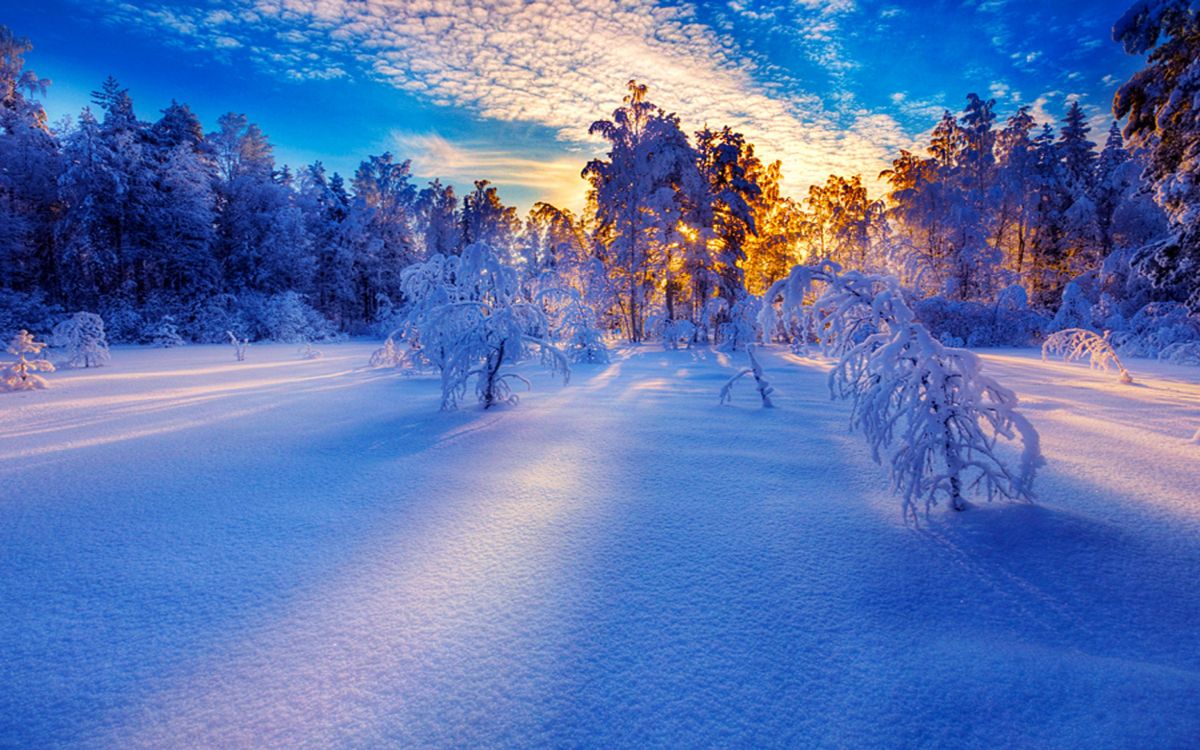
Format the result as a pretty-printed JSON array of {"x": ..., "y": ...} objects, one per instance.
[
  {"x": 926, "y": 407},
  {"x": 467, "y": 321},
  {"x": 437, "y": 220},
  {"x": 1077, "y": 343},
  {"x": 82, "y": 338},
  {"x": 641, "y": 193},
  {"x": 21, "y": 375},
  {"x": 1162, "y": 103}
]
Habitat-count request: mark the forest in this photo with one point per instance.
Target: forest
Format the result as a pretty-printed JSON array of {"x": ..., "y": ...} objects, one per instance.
[{"x": 1003, "y": 231}]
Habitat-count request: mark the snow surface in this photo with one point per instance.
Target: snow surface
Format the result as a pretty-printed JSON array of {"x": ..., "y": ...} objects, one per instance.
[{"x": 280, "y": 552}]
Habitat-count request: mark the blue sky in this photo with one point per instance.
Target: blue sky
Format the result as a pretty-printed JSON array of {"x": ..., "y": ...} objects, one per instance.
[{"x": 505, "y": 90}]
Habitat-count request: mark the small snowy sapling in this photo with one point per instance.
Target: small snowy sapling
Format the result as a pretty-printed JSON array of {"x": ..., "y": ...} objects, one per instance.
[
  {"x": 19, "y": 375},
  {"x": 388, "y": 355},
  {"x": 1074, "y": 344},
  {"x": 82, "y": 338},
  {"x": 239, "y": 346},
  {"x": 764, "y": 388}
]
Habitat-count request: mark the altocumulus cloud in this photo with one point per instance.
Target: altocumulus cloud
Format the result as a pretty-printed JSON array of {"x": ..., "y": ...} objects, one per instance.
[{"x": 557, "y": 64}]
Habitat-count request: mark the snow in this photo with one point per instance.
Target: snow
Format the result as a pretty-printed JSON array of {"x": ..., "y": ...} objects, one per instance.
[{"x": 307, "y": 553}]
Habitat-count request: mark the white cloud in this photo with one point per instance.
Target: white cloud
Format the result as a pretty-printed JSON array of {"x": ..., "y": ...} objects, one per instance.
[{"x": 557, "y": 64}]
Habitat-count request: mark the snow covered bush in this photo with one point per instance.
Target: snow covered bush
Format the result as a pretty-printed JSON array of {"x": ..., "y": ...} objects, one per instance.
[
  {"x": 308, "y": 352},
  {"x": 572, "y": 325},
  {"x": 388, "y": 355},
  {"x": 764, "y": 388},
  {"x": 1006, "y": 322},
  {"x": 1182, "y": 353},
  {"x": 1074, "y": 344},
  {"x": 287, "y": 318},
  {"x": 927, "y": 408},
  {"x": 82, "y": 339},
  {"x": 20, "y": 375},
  {"x": 163, "y": 334},
  {"x": 1154, "y": 327},
  {"x": 678, "y": 334},
  {"x": 740, "y": 331},
  {"x": 467, "y": 320},
  {"x": 239, "y": 346},
  {"x": 26, "y": 310}
]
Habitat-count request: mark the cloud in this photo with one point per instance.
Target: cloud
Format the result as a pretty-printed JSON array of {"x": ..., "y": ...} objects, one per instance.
[{"x": 561, "y": 65}]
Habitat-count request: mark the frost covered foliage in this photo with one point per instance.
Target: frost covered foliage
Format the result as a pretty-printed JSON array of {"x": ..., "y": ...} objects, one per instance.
[
  {"x": 1074, "y": 344},
  {"x": 572, "y": 325},
  {"x": 30, "y": 311},
  {"x": 740, "y": 331},
  {"x": 164, "y": 334},
  {"x": 1155, "y": 327},
  {"x": 468, "y": 322},
  {"x": 239, "y": 346},
  {"x": 82, "y": 339},
  {"x": 927, "y": 408},
  {"x": 1182, "y": 353},
  {"x": 388, "y": 355},
  {"x": 287, "y": 318},
  {"x": 762, "y": 385},
  {"x": 1006, "y": 322},
  {"x": 21, "y": 375},
  {"x": 1162, "y": 103},
  {"x": 677, "y": 334}
]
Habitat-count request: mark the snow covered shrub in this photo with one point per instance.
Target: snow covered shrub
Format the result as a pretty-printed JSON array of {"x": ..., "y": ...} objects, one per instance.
[
  {"x": 239, "y": 346},
  {"x": 572, "y": 325},
  {"x": 123, "y": 323},
  {"x": 678, "y": 334},
  {"x": 1182, "y": 353},
  {"x": 467, "y": 320},
  {"x": 740, "y": 331},
  {"x": 1075, "y": 310},
  {"x": 19, "y": 375},
  {"x": 82, "y": 338},
  {"x": 929, "y": 408},
  {"x": 388, "y": 355},
  {"x": 1155, "y": 327},
  {"x": 764, "y": 388},
  {"x": 29, "y": 311},
  {"x": 308, "y": 352},
  {"x": 1006, "y": 322},
  {"x": 1074, "y": 344},
  {"x": 287, "y": 318},
  {"x": 163, "y": 334}
]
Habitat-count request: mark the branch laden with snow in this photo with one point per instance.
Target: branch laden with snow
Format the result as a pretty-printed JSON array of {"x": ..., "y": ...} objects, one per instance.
[
  {"x": 764, "y": 388},
  {"x": 1074, "y": 344},
  {"x": 926, "y": 408}
]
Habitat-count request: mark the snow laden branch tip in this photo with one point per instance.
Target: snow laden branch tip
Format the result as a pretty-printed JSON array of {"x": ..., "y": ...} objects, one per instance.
[{"x": 925, "y": 408}]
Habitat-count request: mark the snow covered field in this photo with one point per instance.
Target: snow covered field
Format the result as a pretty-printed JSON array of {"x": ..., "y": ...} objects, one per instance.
[{"x": 198, "y": 552}]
